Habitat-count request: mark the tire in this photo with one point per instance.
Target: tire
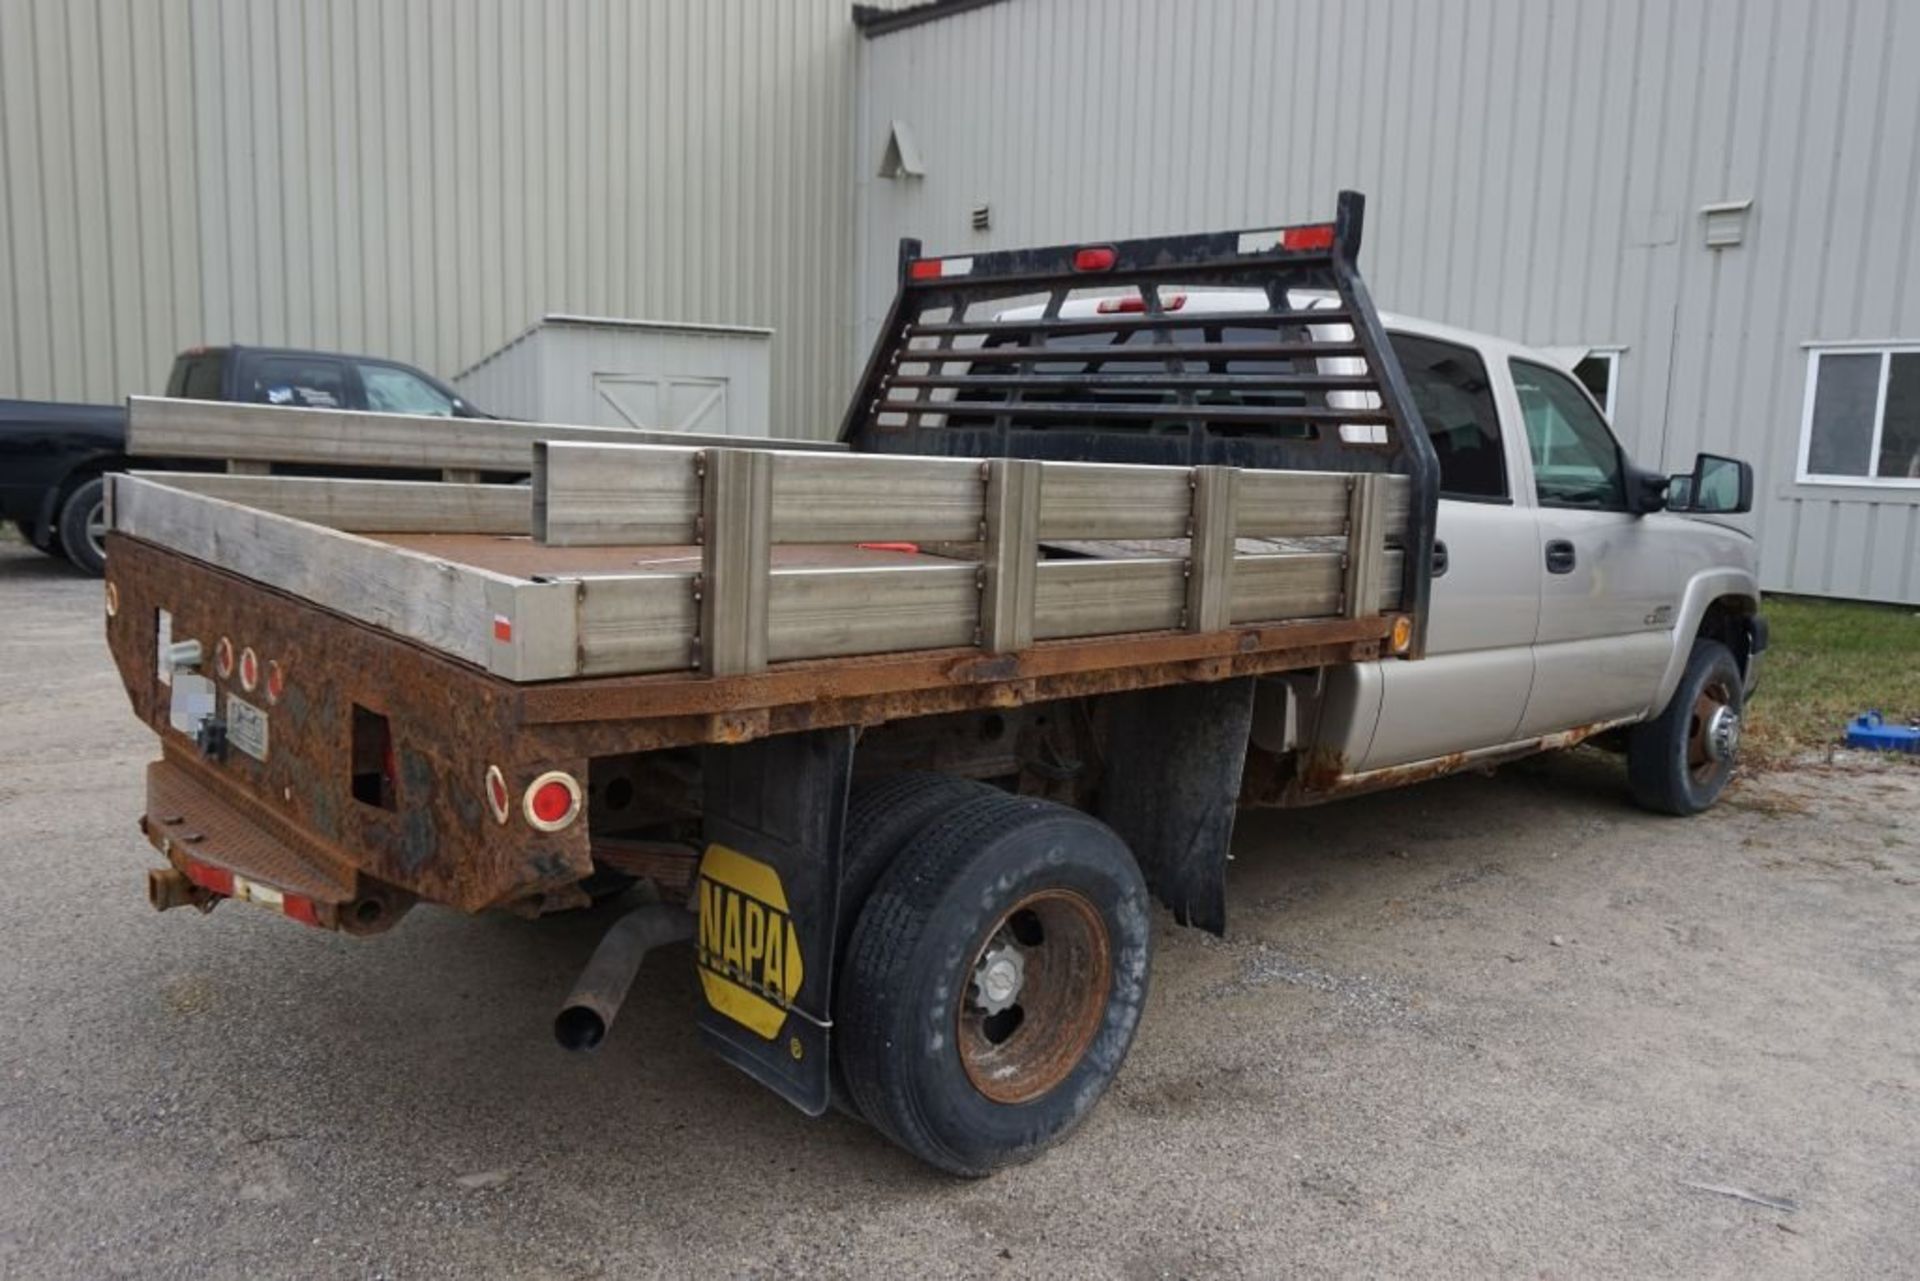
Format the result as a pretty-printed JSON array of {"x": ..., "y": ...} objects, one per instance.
[
  {"x": 83, "y": 526},
  {"x": 1003, "y": 899},
  {"x": 883, "y": 814},
  {"x": 52, "y": 548},
  {"x": 1679, "y": 762}
]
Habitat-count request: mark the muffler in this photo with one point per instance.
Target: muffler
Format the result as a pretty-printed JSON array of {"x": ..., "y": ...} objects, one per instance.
[{"x": 583, "y": 1021}]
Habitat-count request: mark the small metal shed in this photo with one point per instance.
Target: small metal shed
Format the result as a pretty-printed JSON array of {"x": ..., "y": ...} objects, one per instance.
[{"x": 607, "y": 372}]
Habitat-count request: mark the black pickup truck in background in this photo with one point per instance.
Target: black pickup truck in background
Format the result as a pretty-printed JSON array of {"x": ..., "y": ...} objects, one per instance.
[{"x": 52, "y": 455}]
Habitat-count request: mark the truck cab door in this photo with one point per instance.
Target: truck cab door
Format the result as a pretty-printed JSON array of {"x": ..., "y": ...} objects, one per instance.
[
  {"x": 1606, "y": 603},
  {"x": 1471, "y": 689}
]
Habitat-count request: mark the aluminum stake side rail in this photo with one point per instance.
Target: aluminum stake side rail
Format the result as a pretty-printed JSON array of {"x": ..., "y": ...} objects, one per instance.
[{"x": 1068, "y": 534}]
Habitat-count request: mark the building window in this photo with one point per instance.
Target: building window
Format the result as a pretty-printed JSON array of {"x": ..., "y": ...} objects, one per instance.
[
  {"x": 1861, "y": 424},
  {"x": 1599, "y": 372}
]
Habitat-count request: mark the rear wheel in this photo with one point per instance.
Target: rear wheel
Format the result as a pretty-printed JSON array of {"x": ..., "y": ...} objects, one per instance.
[
  {"x": 1679, "y": 762},
  {"x": 83, "y": 526},
  {"x": 994, "y": 982}
]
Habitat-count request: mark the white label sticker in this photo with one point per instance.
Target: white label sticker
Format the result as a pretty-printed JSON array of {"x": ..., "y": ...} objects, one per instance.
[{"x": 247, "y": 727}]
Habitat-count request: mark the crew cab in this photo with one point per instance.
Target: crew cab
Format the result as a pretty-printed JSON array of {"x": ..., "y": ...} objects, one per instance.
[{"x": 53, "y": 455}]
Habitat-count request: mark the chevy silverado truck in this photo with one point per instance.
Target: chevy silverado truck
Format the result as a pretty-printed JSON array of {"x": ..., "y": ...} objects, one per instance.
[
  {"x": 905, "y": 736},
  {"x": 53, "y": 456}
]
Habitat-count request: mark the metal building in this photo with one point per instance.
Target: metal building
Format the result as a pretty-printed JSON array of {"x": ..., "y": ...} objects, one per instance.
[
  {"x": 420, "y": 180},
  {"x": 1723, "y": 196},
  {"x": 1718, "y": 195}
]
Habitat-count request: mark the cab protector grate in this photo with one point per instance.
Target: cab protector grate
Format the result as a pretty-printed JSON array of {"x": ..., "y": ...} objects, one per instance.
[{"x": 1106, "y": 352}]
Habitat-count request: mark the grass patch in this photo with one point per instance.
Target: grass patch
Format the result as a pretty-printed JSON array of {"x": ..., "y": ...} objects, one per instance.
[{"x": 1828, "y": 661}]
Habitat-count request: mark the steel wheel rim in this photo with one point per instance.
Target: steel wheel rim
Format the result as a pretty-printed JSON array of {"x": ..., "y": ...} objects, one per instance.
[
  {"x": 1065, "y": 970},
  {"x": 97, "y": 528},
  {"x": 1714, "y": 711}
]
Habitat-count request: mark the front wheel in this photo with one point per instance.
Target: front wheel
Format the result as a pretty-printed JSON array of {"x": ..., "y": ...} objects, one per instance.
[
  {"x": 1679, "y": 762},
  {"x": 994, "y": 981}
]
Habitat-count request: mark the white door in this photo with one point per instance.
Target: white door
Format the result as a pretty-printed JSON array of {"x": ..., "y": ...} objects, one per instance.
[
  {"x": 1471, "y": 689},
  {"x": 662, "y": 402},
  {"x": 1606, "y": 598}
]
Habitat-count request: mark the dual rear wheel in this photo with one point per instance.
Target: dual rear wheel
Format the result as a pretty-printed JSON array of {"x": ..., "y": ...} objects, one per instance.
[{"x": 995, "y": 973}]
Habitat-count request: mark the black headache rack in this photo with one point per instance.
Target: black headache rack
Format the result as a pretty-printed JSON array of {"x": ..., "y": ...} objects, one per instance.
[{"x": 1256, "y": 349}]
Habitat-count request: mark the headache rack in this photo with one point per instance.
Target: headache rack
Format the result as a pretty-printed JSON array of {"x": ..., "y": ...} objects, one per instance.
[{"x": 1252, "y": 349}]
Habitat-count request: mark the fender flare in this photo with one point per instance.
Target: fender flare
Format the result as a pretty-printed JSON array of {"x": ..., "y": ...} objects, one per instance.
[{"x": 1701, "y": 591}]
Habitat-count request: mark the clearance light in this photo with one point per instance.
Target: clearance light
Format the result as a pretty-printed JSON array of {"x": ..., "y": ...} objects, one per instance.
[
  {"x": 1402, "y": 634},
  {"x": 1094, "y": 258},
  {"x": 552, "y": 801},
  {"x": 223, "y": 658},
  {"x": 499, "y": 800},
  {"x": 249, "y": 669},
  {"x": 1317, "y": 236}
]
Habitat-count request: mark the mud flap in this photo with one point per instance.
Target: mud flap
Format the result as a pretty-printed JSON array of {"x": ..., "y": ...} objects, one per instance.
[
  {"x": 768, "y": 894},
  {"x": 1172, "y": 782}
]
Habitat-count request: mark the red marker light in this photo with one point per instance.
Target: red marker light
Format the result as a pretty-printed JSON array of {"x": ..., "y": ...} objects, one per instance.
[
  {"x": 223, "y": 658},
  {"x": 249, "y": 669},
  {"x": 498, "y": 798},
  {"x": 552, "y": 801},
  {"x": 1317, "y": 236},
  {"x": 1094, "y": 258},
  {"x": 276, "y": 681}
]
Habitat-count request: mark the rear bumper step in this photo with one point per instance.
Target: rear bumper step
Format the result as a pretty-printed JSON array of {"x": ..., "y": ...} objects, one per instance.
[{"x": 217, "y": 852}]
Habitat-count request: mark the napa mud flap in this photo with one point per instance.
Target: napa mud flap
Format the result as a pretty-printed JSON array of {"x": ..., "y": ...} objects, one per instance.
[{"x": 768, "y": 892}]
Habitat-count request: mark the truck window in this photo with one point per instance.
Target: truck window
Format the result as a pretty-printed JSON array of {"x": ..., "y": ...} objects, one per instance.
[
  {"x": 308, "y": 382},
  {"x": 1455, "y": 399},
  {"x": 197, "y": 377},
  {"x": 1576, "y": 461},
  {"x": 393, "y": 390}
]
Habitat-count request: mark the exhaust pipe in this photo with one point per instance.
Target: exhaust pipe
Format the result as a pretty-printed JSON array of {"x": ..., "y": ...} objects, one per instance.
[{"x": 583, "y": 1021}]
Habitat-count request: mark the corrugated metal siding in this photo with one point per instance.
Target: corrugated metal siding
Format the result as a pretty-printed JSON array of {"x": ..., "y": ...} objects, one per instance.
[
  {"x": 421, "y": 180},
  {"x": 1533, "y": 168}
]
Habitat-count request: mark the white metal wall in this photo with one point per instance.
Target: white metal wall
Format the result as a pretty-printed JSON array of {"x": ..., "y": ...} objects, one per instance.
[
  {"x": 420, "y": 179},
  {"x": 1534, "y": 168}
]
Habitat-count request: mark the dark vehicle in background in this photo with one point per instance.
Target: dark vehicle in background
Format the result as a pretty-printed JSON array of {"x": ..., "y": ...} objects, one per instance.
[{"x": 53, "y": 455}]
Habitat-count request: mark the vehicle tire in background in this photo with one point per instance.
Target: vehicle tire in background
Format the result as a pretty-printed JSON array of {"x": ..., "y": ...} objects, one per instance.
[
  {"x": 994, "y": 982},
  {"x": 83, "y": 526},
  {"x": 1679, "y": 762}
]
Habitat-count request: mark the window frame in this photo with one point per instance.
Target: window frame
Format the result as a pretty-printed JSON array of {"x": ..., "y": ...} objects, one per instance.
[
  {"x": 1886, "y": 351},
  {"x": 1507, "y": 483},
  {"x": 1623, "y": 467}
]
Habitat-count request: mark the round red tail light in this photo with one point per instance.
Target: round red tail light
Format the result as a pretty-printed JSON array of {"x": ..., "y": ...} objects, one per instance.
[
  {"x": 276, "y": 681},
  {"x": 552, "y": 801},
  {"x": 249, "y": 669},
  {"x": 223, "y": 657}
]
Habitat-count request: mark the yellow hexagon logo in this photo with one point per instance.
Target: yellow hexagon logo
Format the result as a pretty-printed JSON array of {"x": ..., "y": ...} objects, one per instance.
[{"x": 750, "y": 963}]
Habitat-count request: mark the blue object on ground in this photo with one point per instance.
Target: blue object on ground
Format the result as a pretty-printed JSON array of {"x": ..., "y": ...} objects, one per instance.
[{"x": 1875, "y": 735}]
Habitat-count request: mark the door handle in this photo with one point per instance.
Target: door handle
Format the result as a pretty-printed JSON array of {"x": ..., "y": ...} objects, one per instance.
[
  {"x": 1559, "y": 557},
  {"x": 1439, "y": 559}
]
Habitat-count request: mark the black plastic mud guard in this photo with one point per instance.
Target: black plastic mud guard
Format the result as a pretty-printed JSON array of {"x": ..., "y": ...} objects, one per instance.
[
  {"x": 767, "y": 895},
  {"x": 1172, "y": 782}
]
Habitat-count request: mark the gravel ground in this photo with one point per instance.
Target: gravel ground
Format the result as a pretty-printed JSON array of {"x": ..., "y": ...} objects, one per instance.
[{"x": 1487, "y": 1026}]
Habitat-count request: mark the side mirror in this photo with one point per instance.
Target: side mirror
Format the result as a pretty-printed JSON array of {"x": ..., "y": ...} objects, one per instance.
[
  {"x": 1647, "y": 491},
  {"x": 1717, "y": 486}
]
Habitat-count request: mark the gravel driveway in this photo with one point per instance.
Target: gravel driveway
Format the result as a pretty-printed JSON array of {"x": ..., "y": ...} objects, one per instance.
[{"x": 1486, "y": 1026}]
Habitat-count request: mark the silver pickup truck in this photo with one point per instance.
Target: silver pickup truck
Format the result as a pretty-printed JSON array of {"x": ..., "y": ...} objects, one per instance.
[{"x": 1570, "y": 599}]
